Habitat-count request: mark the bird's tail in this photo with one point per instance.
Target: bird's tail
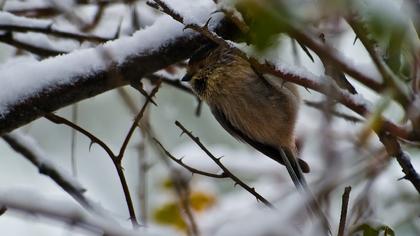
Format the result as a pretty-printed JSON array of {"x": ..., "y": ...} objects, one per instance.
[{"x": 294, "y": 167}]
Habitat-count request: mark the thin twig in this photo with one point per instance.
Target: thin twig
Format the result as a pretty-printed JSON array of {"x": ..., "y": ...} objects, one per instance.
[
  {"x": 60, "y": 120},
  {"x": 43, "y": 52},
  {"x": 191, "y": 169},
  {"x": 20, "y": 146},
  {"x": 387, "y": 74},
  {"x": 225, "y": 170},
  {"x": 55, "y": 32},
  {"x": 172, "y": 82},
  {"x": 74, "y": 140},
  {"x": 180, "y": 186},
  {"x": 344, "y": 208},
  {"x": 135, "y": 124},
  {"x": 321, "y": 106},
  {"x": 393, "y": 148},
  {"x": 143, "y": 164}
]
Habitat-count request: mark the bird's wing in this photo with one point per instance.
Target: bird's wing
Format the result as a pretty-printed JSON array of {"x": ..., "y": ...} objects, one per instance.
[{"x": 266, "y": 149}]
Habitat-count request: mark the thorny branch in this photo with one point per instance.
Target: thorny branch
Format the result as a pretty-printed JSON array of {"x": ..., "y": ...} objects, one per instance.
[
  {"x": 116, "y": 159},
  {"x": 135, "y": 124},
  {"x": 191, "y": 169},
  {"x": 393, "y": 148},
  {"x": 181, "y": 189},
  {"x": 225, "y": 170}
]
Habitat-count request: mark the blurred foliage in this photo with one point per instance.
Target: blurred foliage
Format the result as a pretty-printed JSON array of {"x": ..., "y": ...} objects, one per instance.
[
  {"x": 263, "y": 24},
  {"x": 369, "y": 230},
  {"x": 170, "y": 213}
]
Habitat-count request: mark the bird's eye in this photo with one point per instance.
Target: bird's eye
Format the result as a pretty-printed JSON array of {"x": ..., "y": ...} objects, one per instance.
[{"x": 200, "y": 85}]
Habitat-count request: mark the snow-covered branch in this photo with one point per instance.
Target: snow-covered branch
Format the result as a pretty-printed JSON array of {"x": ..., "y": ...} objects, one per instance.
[
  {"x": 29, "y": 149},
  {"x": 33, "y": 89},
  {"x": 62, "y": 212}
]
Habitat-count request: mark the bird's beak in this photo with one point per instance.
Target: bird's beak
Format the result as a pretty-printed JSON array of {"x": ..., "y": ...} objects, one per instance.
[{"x": 186, "y": 78}]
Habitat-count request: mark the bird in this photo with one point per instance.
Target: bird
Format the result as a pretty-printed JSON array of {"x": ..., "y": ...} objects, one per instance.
[{"x": 247, "y": 105}]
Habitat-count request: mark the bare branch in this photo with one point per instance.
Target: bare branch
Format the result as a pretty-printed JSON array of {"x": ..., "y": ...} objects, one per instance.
[
  {"x": 135, "y": 124},
  {"x": 321, "y": 106},
  {"x": 18, "y": 143},
  {"x": 60, "y": 120},
  {"x": 344, "y": 208},
  {"x": 191, "y": 169},
  {"x": 225, "y": 170},
  {"x": 393, "y": 148}
]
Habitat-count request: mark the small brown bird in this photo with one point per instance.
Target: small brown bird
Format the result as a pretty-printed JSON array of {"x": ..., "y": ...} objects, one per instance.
[{"x": 248, "y": 105}]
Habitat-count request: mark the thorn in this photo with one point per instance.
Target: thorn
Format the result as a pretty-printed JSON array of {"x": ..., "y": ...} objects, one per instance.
[
  {"x": 402, "y": 178},
  {"x": 49, "y": 26},
  {"x": 309, "y": 91},
  {"x": 180, "y": 159},
  {"x": 91, "y": 144},
  {"x": 235, "y": 184},
  {"x": 119, "y": 166},
  {"x": 355, "y": 39},
  {"x": 188, "y": 26},
  {"x": 206, "y": 26},
  {"x": 182, "y": 132},
  {"x": 220, "y": 158},
  {"x": 118, "y": 31}
]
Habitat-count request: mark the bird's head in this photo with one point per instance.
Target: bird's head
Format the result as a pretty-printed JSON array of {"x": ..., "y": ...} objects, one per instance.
[{"x": 206, "y": 70}]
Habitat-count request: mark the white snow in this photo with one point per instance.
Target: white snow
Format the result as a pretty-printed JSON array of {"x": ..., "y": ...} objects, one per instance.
[
  {"x": 7, "y": 18},
  {"x": 28, "y": 79},
  {"x": 14, "y": 5},
  {"x": 67, "y": 212},
  {"x": 43, "y": 41}
]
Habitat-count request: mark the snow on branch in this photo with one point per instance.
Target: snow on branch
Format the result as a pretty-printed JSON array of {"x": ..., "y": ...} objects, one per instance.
[
  {"x": 28, "y": 148},
  {"x": 62, "y": 212},
  {"x": 29, "y": 90},
  {"x": 12, "y": 23}
]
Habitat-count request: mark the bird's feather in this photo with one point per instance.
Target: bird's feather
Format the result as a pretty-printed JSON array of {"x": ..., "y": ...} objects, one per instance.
[{"x": 266, "y": 149}]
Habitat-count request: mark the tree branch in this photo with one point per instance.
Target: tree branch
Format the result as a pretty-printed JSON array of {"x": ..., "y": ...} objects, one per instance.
[
  {"x": 344, "y": 208},
  {"x": 191, "y": 169},
  {"x": 141, "y": 61},
  {"x": 21, "y": 145},
  {"x": 225, "y": 170}
]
